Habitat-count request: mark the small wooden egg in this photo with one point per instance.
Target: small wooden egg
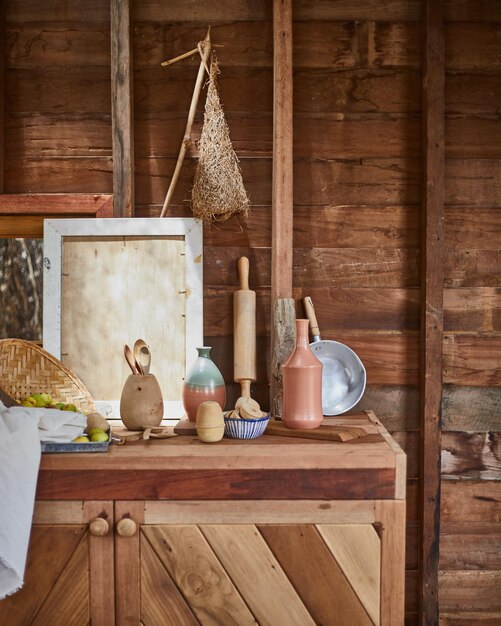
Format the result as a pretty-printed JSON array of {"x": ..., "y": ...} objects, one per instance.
[{"x": 210, "y": 422}]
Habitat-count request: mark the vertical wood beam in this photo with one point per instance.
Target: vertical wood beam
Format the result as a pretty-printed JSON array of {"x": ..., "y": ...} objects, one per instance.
[
  {"x": 122, "y": 113},
  {"x": 432, "y": 280},
  {"x": 282, "y": 312},
  {"x": 281, "y": 228},
  {"x": 128, "y": 566}
]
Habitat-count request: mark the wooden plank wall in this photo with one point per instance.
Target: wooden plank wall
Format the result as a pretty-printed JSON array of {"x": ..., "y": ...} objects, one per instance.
[
  {"x": 57, "y": 97},
  {"x": 470, "y": 562},
  {"x": 357, "y": 195}
]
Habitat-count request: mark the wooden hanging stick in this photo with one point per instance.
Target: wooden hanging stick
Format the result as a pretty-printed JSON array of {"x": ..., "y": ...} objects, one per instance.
[
  {"x": 204, "y": 47},
  {"x": 179, "y": 58}
]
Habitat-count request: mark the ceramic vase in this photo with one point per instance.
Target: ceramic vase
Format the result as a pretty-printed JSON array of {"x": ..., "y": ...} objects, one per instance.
[
  {"x": 204, "y": 382},
  {"x": 302, "y": 384}
]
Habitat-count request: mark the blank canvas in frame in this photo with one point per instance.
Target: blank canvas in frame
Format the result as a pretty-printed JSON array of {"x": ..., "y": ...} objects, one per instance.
[{"x": 109, "y": 282}]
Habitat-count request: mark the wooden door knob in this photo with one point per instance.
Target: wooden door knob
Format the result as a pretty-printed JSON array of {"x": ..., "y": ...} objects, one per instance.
[
  {"x": 99, "y": 527},
  {"x": 126, "y": 527}
]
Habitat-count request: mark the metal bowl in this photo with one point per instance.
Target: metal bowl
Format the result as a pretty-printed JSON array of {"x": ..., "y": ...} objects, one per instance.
[{"x": 343, "y": 376}]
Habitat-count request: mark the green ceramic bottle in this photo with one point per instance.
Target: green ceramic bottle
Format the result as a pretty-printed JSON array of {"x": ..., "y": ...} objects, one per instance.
[{"x": 204, "y": 382}]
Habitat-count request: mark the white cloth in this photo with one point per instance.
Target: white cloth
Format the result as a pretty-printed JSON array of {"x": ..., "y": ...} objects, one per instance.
[{"x": 21, "y": 430}]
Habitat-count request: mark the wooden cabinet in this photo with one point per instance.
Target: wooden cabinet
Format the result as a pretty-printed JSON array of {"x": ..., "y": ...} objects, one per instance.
[{"x": 308, "y": 552}]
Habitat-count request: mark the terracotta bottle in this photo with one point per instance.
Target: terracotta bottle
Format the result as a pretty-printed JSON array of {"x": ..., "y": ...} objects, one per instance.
[
  {"x": 204, "y": 382},
  {"x": 302, "y": 384}
]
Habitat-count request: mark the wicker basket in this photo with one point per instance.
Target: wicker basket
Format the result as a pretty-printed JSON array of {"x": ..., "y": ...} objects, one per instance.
[{"x": 25, "y": 368}]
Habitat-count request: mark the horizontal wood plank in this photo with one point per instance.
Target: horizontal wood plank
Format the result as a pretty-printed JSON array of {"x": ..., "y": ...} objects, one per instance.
[
  {"x": 325, "y": 135},
  {"x": 473, "y": 309},
  {"x": 319, "y": 135},
  {"x": 316, "y": 90},
  {"x": 472, "y": 45},
  {"x": 389, "y": 358},
  {"x": 472, "y": 11},
  {"x": 468, "y": 46},
  {"x": 472, "y": 268},
  {"x": 41, "y": 204},
  {"x": 322, "y": 9},
  {"x": 472, "y": 137},
  {"x": 472, "y": 93},
  {"x": 320, "y": 267},
  {"x": 36, "y": 44},
  {"x": 471, "y": 455},
  {"x": 218, "y": 484},
  {"x": 473, "y": 227},
  {"x": 261, "y": 512},
  {"x": 368, "y": 181},
  {"x": 473, "y": 182},
  {"x": 471, "y": 501},
  {"x": 472, "y": 360},
  {"x": 396, "y": 406},
  {"x": 464, "y": 590},
  {"x": 58, "y": 90},
  {"x": 467, "y": 618},
  {"x": 32, "y": 11},
  {"x": 53, "y": 175},
  {"x": 471, "y": 408},
  {"x": 348, "y": 226},
  {"x": 70, "y": 134},
  {"x": 470, "y": 545},
  {"x": 157, "y": 11}
]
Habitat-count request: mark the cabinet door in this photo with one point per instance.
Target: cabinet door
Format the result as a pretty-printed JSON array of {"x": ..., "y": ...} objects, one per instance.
[
  {"x": 281, "y": 573},
  {"x": 68, "y": 569}
]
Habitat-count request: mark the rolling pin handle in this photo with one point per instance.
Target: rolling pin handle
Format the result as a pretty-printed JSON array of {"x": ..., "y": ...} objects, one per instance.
[
  {"x": 243, "y": 272},
  {"x": 245, "y": 386}
]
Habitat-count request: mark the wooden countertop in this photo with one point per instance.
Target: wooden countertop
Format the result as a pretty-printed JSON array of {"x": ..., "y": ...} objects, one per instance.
[{"x": 271, "y": 467}]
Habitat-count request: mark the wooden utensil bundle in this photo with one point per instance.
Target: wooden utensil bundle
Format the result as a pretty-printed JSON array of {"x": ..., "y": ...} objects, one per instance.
[{"x": 138, "y": 359}]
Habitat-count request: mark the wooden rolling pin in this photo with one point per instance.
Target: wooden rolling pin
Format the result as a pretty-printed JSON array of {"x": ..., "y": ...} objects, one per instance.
[{"x": 244, "y": 330}]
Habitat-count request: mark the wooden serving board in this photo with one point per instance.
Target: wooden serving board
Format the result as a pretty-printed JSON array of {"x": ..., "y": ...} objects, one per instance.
[{"x": 329, "y": 433}]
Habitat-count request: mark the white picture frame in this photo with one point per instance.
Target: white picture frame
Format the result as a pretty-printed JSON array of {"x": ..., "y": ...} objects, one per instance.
[{"x": 66, "y": 239}]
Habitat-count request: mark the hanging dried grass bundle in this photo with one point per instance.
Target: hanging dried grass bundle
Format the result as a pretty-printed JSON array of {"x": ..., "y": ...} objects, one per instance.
[{"x": 218, "y": 191}]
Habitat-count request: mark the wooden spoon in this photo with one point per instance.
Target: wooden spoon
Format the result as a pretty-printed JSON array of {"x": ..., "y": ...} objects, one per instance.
[
  {"x": 129, "y": 357},
  {"x": 142, "y": 355}
]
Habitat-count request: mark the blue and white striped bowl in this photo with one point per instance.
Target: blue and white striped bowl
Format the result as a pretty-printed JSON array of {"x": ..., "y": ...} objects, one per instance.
[{"x": 240, "y": 428}]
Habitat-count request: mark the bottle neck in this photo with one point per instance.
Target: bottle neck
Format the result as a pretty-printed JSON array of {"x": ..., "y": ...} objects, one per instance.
[
  {"x": 302, "y": 339},
  {"x": 204, "y": 352}
]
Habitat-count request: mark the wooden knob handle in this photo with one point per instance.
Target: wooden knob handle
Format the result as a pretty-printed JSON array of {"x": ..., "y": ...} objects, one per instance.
[
  {"x": 99, "y": 527},
  {"x": 243, "y": 272},
  {"x": 309, "y": 309},
  {"x": 126, "y": 527}
]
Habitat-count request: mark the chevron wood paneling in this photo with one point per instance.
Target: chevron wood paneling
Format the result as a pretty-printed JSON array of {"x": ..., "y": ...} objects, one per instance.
[
  {"x": 161, "y": 602},
  {"x": 257, "y": 575},
  {"x": 316, "y": 575},
  {"x": 189, "y": 560},
  {"x": 269, "y": 574},
  {"x": 357, "y": 549},
  {"x": 51, "y": 549},
  {"x": 68, "y": 601}
]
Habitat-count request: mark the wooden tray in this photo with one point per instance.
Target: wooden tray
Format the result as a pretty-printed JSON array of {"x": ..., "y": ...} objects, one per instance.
[{"x": 325, "y": 432}]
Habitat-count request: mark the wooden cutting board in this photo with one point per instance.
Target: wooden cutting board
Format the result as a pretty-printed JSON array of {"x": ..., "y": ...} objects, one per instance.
[{"x": 329, "y": 433}]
